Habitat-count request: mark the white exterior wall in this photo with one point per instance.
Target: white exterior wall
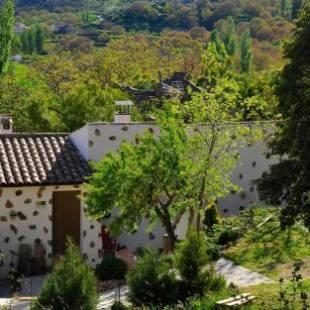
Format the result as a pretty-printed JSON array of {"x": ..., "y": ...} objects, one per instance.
[
  {"x": 107, "y": 137},
  {"x": 36, "y": 222}
]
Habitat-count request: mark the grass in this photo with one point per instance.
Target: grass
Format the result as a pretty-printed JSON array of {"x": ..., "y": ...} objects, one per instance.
[
  {"x": 271, "y": 251},
  {"x": 267, "y": 296}
]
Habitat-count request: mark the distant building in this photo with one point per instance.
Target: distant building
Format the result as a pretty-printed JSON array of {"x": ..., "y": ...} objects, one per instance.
[{"x": 17, "y": 58}]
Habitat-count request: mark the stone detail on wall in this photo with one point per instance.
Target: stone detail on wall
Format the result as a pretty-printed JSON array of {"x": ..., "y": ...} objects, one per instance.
[
  {"x": 9, "y": 204},
  {"x": 6, "y": 239},
  {"x": 45, "y": 230},
  {"x": 3, "y": 219},
  {"x": 21, "y": 238},
  {"x": 27, "y": 201},
  {"x": 32, "y": 227},
  {"x": 13, "y": 229},
  {"x": 19, "y": 192},
  {"x": 21, "y": 216}
]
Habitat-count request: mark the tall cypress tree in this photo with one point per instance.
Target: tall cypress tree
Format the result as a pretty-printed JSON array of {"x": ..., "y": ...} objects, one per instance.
[
  {"x": 39, "y": 39},
  {"x": 296, "y": 6},
  {"x": 246, "y": 51},
  {"x": 228, "y": 36},
  {"x": 6, "y": 34},
  {"x": 288, "y": 183}
]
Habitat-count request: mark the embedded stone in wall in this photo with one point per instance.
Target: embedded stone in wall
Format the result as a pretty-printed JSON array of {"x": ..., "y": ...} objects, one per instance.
[
  {"x": 35, "y": 213},
  {"x": 92, "y": 226},
  {"x": 21, "y": 216},
  {"x": 19, "y": 192},
  {"x": 93, "y": 260},
  {"x": 112, "y": 138},
  {"x": 124, "y": 128},
  {"x": 50, "y": 217},
  {"x": 1, "y": 191},
  {"x": 21, "y": 238},
  {"x": 92, "y": 244},
  {"x": 137, "y": 140},
  {"x": 7, "y": 239},
  {"x": 56, "y": 186},
  {"x": 240, "y": 176},
  {"x": 252, "y": 189},
  {"x": 100, "y": 253},
  {"x": 3, "y": 219},
  {"x": 27, "y": 201},
  {"x": 151, "y": 236},
  {"x": 32, "y": 227},
  {"x": 45, "y": 230},
  {"x": 241, "y": 208},
  {"x": 225, "y": 210},
  {"x": 90, "y": 143},
  {"x": 50, "y": 243},
  {"x": 14, "y": 229},
  {"x": 9, "y": 204},
  {"x": 151, "y": 130},
  {"x": 84, "y": 233},
  {"x": 85, "y": 256},
  {"x": 50, "y": 201},
  {"x": 253, "y": 163},
  {"x": 97, "y": 132}
]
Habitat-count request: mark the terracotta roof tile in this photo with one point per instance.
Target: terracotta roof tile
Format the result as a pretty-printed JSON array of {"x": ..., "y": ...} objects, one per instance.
[{"x": 40, "y": 159}]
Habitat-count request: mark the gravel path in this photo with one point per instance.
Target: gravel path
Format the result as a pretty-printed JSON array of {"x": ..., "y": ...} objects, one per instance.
[{"x": 238, "y": 275}]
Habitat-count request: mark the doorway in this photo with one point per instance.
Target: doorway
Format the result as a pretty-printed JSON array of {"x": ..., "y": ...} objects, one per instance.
[{"x": 66, "y": 220}]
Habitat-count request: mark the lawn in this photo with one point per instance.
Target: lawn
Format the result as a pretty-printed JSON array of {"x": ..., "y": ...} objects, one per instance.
[
  {"x": 271, "y": 251},
  {"x": 268, "y": 296}
]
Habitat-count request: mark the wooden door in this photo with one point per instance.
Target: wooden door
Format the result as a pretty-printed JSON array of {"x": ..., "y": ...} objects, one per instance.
[{"x": 66, "y": 220}]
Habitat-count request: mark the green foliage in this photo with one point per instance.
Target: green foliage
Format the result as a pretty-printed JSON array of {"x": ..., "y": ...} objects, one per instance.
[
  {"x": 142, "y": 180},
  {"x": 111, "y": 268},
  {"x": 152, "y": 281},
  {"x": 72, "y": 284},
  {"x": 118, "y": 306},
  {"x": 287, "y": 183},
  {"x": 191, "y": 262},
  {"x": 6, "y": 34},
  {"x": 245, "y": 51}
]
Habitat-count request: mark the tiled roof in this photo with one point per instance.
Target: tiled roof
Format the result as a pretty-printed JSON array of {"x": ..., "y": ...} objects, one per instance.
[{"x": 40, "y": 159}]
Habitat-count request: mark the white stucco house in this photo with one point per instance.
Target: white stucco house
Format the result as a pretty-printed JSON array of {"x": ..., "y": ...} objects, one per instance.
[{"x": 41, "y": 183}]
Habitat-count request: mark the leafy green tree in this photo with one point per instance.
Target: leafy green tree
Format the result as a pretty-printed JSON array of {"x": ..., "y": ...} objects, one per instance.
[
  {"x": 288, "y": 182},
  {"x": 146, "y": 180},
  {"x": 6, "y": 34},
  {"x": 283, "y": 7},
  {"x": 246, "y": 53}
]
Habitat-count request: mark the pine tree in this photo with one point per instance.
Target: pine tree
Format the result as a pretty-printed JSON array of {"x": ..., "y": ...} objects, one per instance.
[
  {"x": 6, "y": 34},
  {"x": 246, "y": 51}
]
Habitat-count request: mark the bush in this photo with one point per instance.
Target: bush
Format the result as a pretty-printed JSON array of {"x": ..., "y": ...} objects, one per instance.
[
  {"x": 191, "y": 262},
  {"x": 117, "y": 305},
  {"x": 152, "y": 281},
  {"x": 228, "y": 235},
  {"x": 72, "y": 284},
  {"x": 111, "y": 268}
]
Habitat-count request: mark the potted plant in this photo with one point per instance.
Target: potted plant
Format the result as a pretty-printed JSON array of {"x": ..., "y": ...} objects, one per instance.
[{"x": 13, "y": 214}]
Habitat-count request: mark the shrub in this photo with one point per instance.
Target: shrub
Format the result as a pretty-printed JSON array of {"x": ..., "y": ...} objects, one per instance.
[
  {"x": 228, "y": 235},
  {"x": 152, "y": 281},
  {"x": 72, "y": 284},
  {"x": 111, "y": 268},
  {"x": 191, "y": 262},
  {"x": 117, "y": 305}
]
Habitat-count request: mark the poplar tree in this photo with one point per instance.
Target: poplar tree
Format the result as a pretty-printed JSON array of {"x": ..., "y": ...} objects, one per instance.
[
  {"x": 246, "y": 51},
  {"x": 6, "y": 34}
]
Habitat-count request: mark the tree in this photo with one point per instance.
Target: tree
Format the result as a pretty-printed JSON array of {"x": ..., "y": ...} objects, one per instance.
[
  {"x": 246, "y": 51},
  {"x": 228, "y": 35},
  {"x": 39, "y": 39},
  {"x": 6, "y": 34},
  {"x": 71, "y": 285},
  {"x": 296, "y": 7},
  {"x": 288, "y": 182},
  {"x": 146, "y": 180},
  {"x": 283, "y": 7}
]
